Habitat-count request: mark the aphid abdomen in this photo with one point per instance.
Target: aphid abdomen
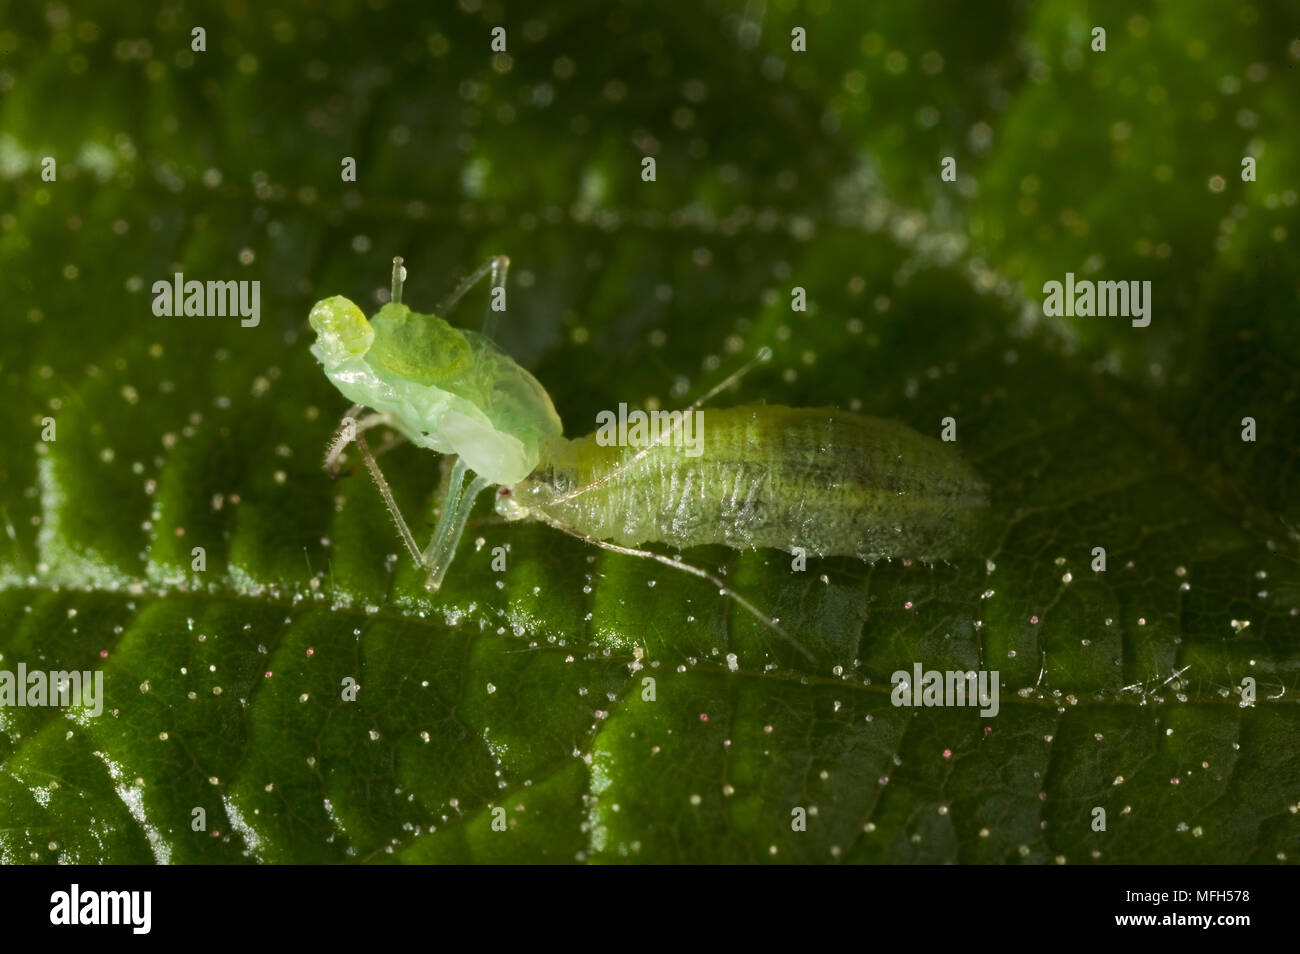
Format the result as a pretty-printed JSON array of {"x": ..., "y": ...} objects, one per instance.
[{"x": 831, "y": 482}]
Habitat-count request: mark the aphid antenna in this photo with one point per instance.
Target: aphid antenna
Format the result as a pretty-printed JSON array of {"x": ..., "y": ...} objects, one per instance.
[
  {"x": 497, "y": 266},
  {"x": 764, "y": 354}
]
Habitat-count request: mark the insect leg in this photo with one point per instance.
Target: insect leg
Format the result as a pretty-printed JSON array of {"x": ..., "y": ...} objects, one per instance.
[
  {"x": 455, "y": 512},
  {"x": 391, "y": 439},
  {"x": 450, "y": 501},
  {"x": 723, "y": 588},
  {"x": 343, "y": 436},
  {"x": 348, "y": 429},
  {"x": 497, "y": 266},
  {"x": 387, "y": 494}
]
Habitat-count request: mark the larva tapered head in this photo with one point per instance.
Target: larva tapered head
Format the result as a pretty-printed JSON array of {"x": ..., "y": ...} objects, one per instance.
[{"x": 450, "y": 390}]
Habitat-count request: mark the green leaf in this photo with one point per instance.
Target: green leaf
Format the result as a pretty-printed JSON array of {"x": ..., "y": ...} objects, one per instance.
[{"x": 524, "y": 695}]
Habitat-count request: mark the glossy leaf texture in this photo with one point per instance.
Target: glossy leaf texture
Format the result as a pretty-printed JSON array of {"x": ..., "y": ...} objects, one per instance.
[{"x": 598, "y": 707}]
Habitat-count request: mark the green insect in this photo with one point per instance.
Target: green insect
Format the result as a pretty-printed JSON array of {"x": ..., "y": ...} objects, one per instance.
[{"x": 819, "y": 481}]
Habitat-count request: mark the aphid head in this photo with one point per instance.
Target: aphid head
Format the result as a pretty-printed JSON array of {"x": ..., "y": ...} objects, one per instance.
[{"x": 342, "y": 331}]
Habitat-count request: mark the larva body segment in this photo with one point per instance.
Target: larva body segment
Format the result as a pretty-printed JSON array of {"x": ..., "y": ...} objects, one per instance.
[{"x": 829, "y": 481}]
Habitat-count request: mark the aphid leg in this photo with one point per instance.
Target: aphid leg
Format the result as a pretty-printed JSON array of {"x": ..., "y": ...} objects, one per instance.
[
  {"x": 723, "y": 588},
  {"x": 764, "y": 354},
  {"x": 444, "y": 488},
  {"x": 343, "y": 436},
  {"x": 441, "y": 550},
  {"x": 451, "y": 491},
  {"x": 391, "y": 439},
  {"x": 387, "y": 494},
  {"x": 497, "y": 266},
  {"x": 348, "y": 429}
]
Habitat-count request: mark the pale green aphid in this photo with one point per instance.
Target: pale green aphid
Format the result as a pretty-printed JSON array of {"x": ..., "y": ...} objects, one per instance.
[
  {"x": 820, "y": 480},
  {"x": 449, "y": 390},
  {"x": 439, "y": 387}
]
